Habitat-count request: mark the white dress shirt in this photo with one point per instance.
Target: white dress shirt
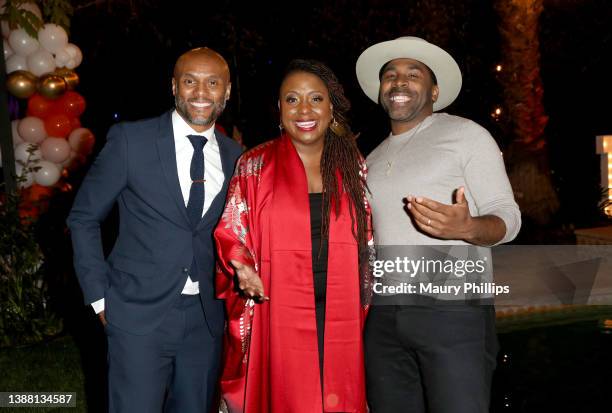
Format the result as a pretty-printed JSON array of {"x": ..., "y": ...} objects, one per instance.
[{"x": 213, "y": 176}]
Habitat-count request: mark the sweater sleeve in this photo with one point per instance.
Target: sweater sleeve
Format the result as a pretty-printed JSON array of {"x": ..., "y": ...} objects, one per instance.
[{"x": 487, "y": 181}]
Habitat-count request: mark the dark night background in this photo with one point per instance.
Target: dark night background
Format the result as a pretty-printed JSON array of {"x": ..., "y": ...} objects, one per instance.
[
  {"x": 129, "y": 52},
  {"x": 129, "y": 49}
]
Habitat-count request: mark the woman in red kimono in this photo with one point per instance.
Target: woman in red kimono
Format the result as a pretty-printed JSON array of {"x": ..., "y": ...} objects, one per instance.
[{"x": 294, "y": 245}]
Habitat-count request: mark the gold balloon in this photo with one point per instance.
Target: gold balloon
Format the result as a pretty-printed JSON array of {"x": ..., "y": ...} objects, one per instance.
[
  {"x": 51, "y": 86},
  {"x": 69, "y": 75},
  {"x": 21, "y": 84}
]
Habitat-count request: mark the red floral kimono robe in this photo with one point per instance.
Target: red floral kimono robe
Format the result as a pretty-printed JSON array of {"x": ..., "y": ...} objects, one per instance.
[{"x": 271, "y": 354}]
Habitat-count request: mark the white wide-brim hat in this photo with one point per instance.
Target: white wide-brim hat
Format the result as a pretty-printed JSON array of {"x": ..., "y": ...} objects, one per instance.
[{"x": 438, "y": 60}]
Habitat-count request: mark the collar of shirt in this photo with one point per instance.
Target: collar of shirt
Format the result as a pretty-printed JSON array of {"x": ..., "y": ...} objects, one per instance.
[{"x": 181, "y": 129}]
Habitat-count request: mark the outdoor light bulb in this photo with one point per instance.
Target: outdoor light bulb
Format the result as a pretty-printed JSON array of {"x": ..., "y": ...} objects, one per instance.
[
  {"x": 498, "y": 111},
  {"x": 498, "y": 68}
]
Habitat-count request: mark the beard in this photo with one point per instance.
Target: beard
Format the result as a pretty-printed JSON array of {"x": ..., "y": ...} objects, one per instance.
[
  {"x": 182, "y": 107},
  {"x": 408, "y": 112}
]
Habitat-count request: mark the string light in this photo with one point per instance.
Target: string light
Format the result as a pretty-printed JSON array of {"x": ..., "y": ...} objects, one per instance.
[
  {"x": 496, "y": 113},
  {"x": 498, "y": 68}
]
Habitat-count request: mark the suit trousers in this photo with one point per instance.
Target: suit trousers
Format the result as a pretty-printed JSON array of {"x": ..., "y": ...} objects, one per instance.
[
  {"x": 436, "y": 359},
  {"x": 172, "y": 369}
]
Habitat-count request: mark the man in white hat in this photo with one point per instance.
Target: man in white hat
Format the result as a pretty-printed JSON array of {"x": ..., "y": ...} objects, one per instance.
[{"x": 436, "y": 180}]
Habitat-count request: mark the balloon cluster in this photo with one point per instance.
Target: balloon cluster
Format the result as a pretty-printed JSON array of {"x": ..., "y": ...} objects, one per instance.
[
  {"x": 39, "y": 56},
  {"x": 49, "y": 141}
]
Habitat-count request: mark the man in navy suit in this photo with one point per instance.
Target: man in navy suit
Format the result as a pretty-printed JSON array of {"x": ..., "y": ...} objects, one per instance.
[{"x": 154, "y": 293}]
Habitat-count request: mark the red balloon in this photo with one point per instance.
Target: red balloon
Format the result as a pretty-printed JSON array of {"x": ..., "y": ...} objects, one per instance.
[
  {"x": 39, "y": 106},
  {"x": 72, "y": 104},
  {"x": 75, "y": 123},
  {"x": 58, "y": 126}
]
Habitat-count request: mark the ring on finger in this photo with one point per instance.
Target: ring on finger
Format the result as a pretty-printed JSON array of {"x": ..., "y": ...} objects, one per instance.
[{"x": 428, "y": 221}]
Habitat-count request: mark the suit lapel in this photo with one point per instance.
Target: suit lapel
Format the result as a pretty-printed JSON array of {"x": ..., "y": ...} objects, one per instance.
[{"x": 167, "y": 157}]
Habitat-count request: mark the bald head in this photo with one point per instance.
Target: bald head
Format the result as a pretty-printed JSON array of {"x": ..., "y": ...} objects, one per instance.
[
  {"x": 201, "y": 54},
  {"x": 201, "y": 86}
]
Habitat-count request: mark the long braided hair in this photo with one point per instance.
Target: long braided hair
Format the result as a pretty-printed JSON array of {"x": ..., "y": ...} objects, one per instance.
[{"x": 340, "y": 154}]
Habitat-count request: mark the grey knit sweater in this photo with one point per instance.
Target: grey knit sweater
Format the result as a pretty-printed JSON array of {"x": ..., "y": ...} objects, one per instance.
[{"x": 432, "y": 160}]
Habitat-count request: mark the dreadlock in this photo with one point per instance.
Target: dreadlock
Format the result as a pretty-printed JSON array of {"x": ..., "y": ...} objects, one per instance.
[{"x": 340, "y": 154}]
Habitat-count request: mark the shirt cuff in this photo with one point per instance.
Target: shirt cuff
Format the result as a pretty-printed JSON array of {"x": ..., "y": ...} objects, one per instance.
[{"x": 98, "y": 306}]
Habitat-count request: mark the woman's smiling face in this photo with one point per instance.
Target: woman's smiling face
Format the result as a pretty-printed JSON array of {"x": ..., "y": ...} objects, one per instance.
[{"x": 305, "y": 107}]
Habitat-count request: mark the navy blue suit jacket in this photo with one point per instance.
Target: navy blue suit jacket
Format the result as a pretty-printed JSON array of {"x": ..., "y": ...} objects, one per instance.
[{"x": 152, "y": 257}]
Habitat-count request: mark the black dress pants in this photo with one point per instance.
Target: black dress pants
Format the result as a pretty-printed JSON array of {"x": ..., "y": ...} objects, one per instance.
[{"x": 435, "y": 359}]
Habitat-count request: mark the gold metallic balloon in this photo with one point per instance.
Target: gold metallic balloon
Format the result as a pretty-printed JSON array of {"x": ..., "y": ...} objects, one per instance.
[
  {"x": 51, "y": 86},
  {"x": 21, "y": 84},
  {"x": 69, "y": 75}
]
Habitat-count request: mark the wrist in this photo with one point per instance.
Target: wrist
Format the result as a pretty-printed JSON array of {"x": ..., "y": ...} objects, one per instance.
[{"x": 471, "y": 230}]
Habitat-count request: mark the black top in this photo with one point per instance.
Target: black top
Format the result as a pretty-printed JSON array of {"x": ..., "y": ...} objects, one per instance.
[
  {"x": 319, "y": 271},
  {"x": 319, "y": 249}
]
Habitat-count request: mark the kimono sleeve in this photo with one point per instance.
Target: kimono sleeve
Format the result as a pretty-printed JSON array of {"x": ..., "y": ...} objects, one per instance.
[{"x": 231, "y": 234}]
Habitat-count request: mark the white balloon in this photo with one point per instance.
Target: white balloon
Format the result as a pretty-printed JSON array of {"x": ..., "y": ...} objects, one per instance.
[
  {"x": 75, "y": 54},
  {"x": 61, "y": 58},
  {"x": 56, "y": 150},
  {"x": 28, "y": 153},
  {"x": 47, "y": 173},
  {"x": 8, "y": 50},
  {"x": 17, "y": 139},
  {"x": 60, "y": 166},
  {"x": 41, "y": 62},
  {"x": 53, "y": 37},
  {"x": 32, "y": 129},
  {"x": 27, "y": 178},
  {"x": 16, "y": 62},
  {"x": 22, "y": 43}
]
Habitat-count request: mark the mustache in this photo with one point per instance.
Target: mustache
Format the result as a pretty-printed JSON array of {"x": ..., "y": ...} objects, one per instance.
[
  {"x": 198, "y": 100},
  {"x": 399, "y": 90}
]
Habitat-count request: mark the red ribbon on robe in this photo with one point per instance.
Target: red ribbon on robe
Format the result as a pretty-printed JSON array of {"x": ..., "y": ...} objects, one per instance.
[{"x": 271, "y": 354}]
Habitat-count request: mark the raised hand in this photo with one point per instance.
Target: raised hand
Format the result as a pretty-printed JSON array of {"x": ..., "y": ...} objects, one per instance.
[{"x": 441, "y": 220}]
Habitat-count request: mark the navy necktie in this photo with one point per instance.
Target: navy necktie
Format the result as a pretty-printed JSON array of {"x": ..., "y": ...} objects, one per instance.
[{"x": 195, "y": 205}]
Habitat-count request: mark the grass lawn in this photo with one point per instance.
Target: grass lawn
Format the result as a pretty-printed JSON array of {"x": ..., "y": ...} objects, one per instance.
[
  {"x": 548, "y": 362},
  {"x": 51, "y": 366}
]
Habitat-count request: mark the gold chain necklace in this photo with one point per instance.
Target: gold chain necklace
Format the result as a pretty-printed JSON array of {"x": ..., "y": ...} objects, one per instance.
[{"x": 397, "y": 153}]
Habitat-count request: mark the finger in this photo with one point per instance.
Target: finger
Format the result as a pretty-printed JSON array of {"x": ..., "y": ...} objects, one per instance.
[
  {"x": 460, "y": 196},
  {"x": 237, "y": 264},
  {"x": 429, "y": 203},
  {"x": 428, "y": 214},
  {"x": 428, "y": 229},
  {"x": 261, "y": 299},
  {"x": 420, "y": 218}
]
